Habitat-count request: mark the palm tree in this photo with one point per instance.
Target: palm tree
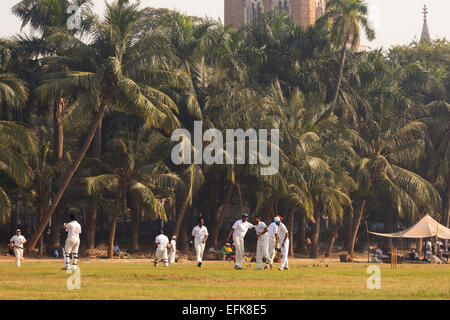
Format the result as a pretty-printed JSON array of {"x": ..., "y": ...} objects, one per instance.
[
  {"x": 128, "y": 174},
  {"x": 16, "y": 141},
  {"x": 110, "y": 85},
  {"x": 346, "y": 17}
]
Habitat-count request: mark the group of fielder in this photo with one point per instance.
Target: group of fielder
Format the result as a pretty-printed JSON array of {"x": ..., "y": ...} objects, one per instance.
[{"x": 270, "y": 238}]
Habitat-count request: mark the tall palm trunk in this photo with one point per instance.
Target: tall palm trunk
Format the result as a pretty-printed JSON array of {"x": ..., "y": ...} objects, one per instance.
[
  {"x": 268, "y": 209},
  {"x": 68, "y": 177},
  {"x": 334, "y": 236},
  {"x": 291, "y": 232},
  {"x": 180, "y": 215},
  {"x": 134, "y": 225},
  {"x": 214, "y": 205},
  {"x": 301, "y": 235},
  {"x": 90, "y": 224},
  {"x": 388, "y": 226},
  {"x": 58, "y": 149},
  {"x": 315, "y": 234},
  {"x": 92, "y": 209},
  {"x": 356, "y": 227},
  {"x": 340, "y": 74},
  {"x": 112, "y": 231},
  {"x": 223, "y": 212}
]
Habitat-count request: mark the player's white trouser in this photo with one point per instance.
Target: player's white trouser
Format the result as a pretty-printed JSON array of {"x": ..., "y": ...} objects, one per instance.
[
  {"x": 199, "y": 249},
  {"x": 239, "y": 249},
  {"x": 272, "y": 249},
  {"x": 262, "y": 251},
  {"x": 284, "y": 254},
  {"x": 19, "y": 255},
  {"x": 172, "y": 254},
  {"x": 71, "y": 250},
  {"x": 161, "y": 254}
]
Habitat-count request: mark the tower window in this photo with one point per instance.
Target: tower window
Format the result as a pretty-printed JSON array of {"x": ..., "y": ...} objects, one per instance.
[{"x": 281, "y": 5}]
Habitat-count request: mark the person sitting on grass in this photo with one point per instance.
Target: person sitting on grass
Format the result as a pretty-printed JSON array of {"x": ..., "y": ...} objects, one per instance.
[{"x": 116, "y": 250}]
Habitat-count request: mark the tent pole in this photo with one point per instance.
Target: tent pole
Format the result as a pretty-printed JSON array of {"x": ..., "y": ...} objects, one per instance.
[{"x": 368, "y": 243}]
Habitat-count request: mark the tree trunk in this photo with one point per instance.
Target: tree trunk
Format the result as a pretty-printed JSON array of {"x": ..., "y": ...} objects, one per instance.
[
  {"x": 91, "y": 224},
  {"x": 134, "y": 225},
  {"x": 268, "y": 210},
  {"x": 334, "y": 236},
  {"x": 356, "y": 227},
  {"x": 291, "y": 232},
  {"x": 67, "y": 178},
  {"x": 315, "y": 234},
  {"x": 388, "y": 226},
  {"x": 340, "y": 74},
  {"x": 347, "y": 231},
  {"x": 112, "y": 231},
  {"x": 214, "y": 206},
  {"x": 58, "y": 149},
  {"x": 219, "y": 222},
  {"x": 180, "y": 215},
  {"x": 301, "y": 235},
  {"x": 92, "y": 208}
]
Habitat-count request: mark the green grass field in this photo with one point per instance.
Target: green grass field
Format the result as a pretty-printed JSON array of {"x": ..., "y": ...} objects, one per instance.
[{"x": 125, "y": 279}]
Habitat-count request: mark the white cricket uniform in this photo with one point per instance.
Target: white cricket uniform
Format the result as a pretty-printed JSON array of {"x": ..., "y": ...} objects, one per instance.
[
  {"x": 161, "y": 250},
  {"x": 72, "y": 244},
  {"x": 262, "y": 248},
  {"x": 18, "y": 242},
  {"x": 273, "y": 230},
  {"x": 282, "y": 233},
  {"x": 173, "y": 251},
  {"x": 199, "y": 235},
  {"x": 240, "y": 230}
]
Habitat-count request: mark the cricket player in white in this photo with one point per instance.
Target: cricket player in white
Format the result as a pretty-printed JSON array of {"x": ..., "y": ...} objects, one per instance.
[
  {"x": 73, "y": 229},
  {"x": 162, "y": 243},
  {"x": 273, "y": 240},
  {"x": 239, "y": 230},
  {"x": 173, "y": 250},
  {"x": 283, "y": 235},
  {"x": 17, "y": 242},
  {"x": 200, "y": 234},
  {"x": 262, "y": 248}
]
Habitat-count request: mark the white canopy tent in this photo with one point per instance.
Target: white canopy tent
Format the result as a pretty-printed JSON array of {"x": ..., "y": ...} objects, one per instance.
[{"x": 427, "y": 227}]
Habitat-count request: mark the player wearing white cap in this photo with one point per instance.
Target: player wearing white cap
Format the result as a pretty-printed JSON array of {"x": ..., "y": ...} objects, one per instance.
[
  {"x": 239, "y": 230},
  {"x": 200, "y": 234},
  {"x": 283, "y": 236},
  {"x": 273, "y": 240},
  {"x": 16, "y": 242},
  {"x": 73, "y": 229},
  {"x": 173, "y": 250},
  {"x": 162, "y": 243},
  {"x": 262, "y": 247}
]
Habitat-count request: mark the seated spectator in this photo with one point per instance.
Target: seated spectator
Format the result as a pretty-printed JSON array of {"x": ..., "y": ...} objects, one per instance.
[{"x": 116, "y": 250}]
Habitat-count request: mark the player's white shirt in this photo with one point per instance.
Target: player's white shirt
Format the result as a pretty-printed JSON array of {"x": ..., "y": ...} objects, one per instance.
[
  {"x": 241, "y": 228},
  {"x": 18, "y": 240},
  {"x": 162, "y": 241},
  {"x": 260, "y": 227},
  {"x": 282, "y": 231},
  {"x": 74, "y": 229},
  {"x": 199, "y": 233},
  {"x": 173, "y": 243},
  {"x": 273, "y": 230}
]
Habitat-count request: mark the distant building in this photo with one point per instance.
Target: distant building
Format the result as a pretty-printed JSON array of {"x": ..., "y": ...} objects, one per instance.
[{"x": 304, "y": 12}]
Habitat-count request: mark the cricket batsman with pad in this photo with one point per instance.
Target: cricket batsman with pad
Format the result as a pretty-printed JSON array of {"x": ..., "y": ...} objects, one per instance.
[{"x": 73, "y": 229}]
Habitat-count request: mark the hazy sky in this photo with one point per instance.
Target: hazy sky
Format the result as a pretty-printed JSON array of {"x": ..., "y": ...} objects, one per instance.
[{"x": 396, "y": 21}]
